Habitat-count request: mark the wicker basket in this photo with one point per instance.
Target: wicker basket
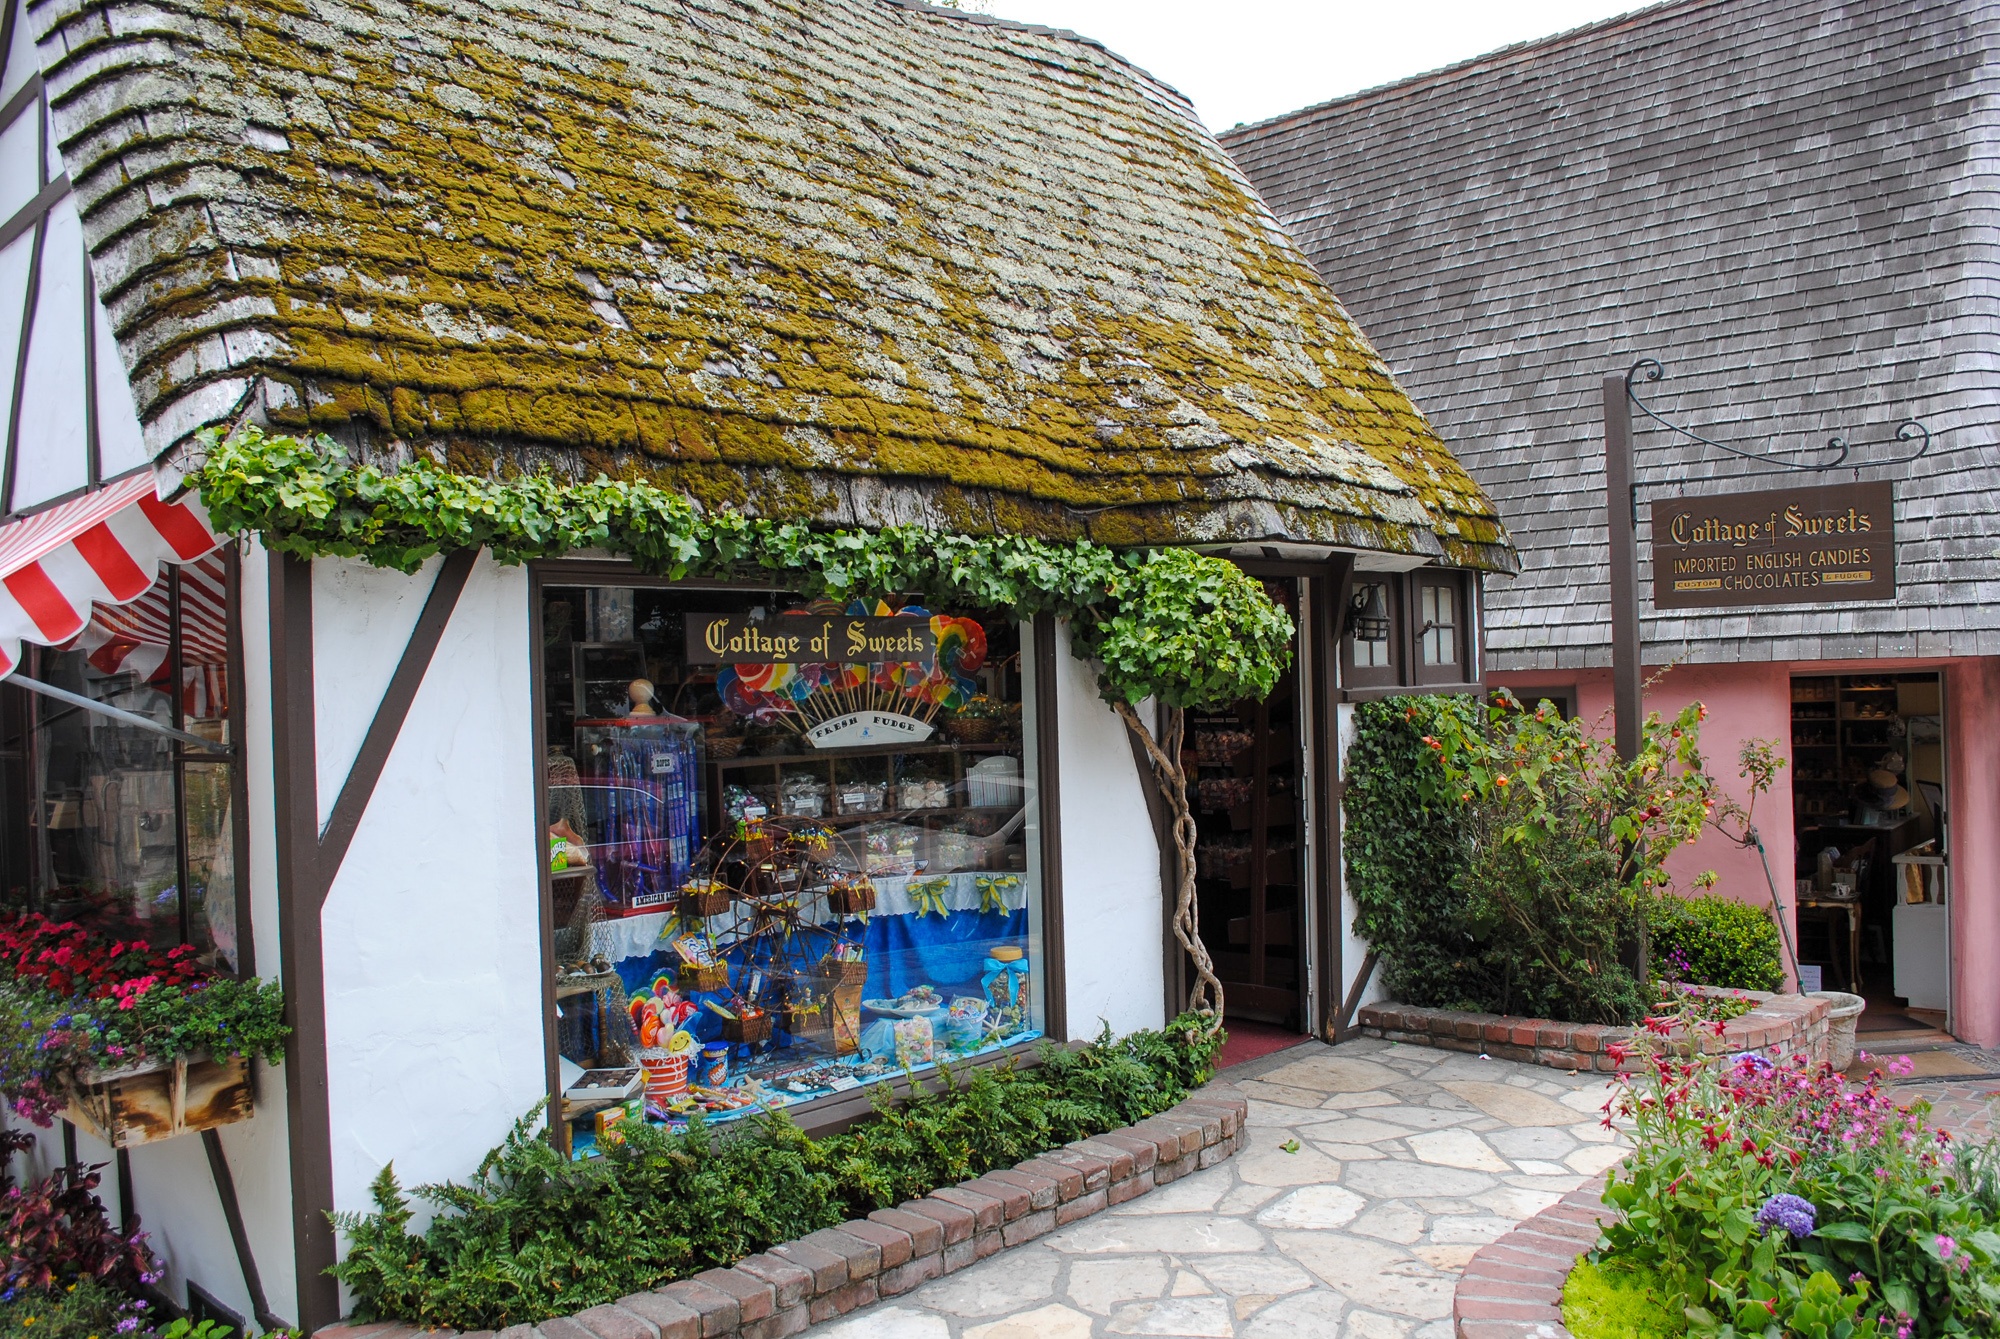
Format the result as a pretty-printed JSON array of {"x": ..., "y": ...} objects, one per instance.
[
  {"x": 851, "y": 900},
  {"x": 756, "y": 1028},
  {"x": 692, "y": 906},
  {"x": 810, "y": 1021},
  {"x": 843, "y": 973},
  {"x": 714, "y": 976},
  {"x": 972, "y": 729},
  {"x": 724, "y": 746}
]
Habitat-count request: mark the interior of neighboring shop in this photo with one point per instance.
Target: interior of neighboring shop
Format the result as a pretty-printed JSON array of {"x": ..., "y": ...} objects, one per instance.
[
  {"x": 115, "y": 816},
  {"x": 1871, "y": 823},
  {"x": 792, "y": 848}
]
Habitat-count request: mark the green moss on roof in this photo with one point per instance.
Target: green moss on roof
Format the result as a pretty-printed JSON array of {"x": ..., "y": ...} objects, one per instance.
[{"x": 840, "y": 259}]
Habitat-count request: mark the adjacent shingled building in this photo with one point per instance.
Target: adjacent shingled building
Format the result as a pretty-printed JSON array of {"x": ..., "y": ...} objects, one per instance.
[
  {"x": 844, "y": 260},
  {"x": 1790, "y": 204}
]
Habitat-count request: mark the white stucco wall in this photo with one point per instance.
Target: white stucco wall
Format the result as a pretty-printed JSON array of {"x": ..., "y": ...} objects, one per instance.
[
  {"x": 431, "y": 928},
  {"x": 1113, "y": 912}
]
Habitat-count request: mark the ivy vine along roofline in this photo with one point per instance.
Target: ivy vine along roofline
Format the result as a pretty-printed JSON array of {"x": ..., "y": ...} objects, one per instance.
[{"x": 845, "y": 261}]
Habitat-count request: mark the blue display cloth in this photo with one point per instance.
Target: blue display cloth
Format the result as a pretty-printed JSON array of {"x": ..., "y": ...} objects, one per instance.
[{"x": 904, "y": 949}]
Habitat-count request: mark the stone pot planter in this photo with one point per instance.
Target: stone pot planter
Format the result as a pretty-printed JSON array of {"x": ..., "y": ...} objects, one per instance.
[{"x": 1840, "y": 1025}]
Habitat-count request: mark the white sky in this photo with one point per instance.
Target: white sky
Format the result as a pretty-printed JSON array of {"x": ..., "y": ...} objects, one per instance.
[{"x": 1252, "y": 59}]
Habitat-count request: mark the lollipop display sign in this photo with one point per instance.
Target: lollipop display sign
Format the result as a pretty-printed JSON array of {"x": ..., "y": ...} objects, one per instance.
[{"x": 843, "y": 677}]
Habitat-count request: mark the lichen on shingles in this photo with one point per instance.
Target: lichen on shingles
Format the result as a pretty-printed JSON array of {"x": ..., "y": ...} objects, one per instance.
[{"x": 835, "y": 259}]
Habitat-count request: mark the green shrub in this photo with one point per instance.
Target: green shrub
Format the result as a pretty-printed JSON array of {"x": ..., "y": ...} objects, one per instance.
[
  {"x": 534, "y": 1235},
  {"x": 1407, "y": 861},
  {"x": 1716, "y": 941},
  {"x": 1615, "y": 1300}
]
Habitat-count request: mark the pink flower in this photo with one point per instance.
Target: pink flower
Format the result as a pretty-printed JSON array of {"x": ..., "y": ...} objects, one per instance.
[
  {"x": 1945, "y": 1247},
  {"x": 1902, "y": 1065}
]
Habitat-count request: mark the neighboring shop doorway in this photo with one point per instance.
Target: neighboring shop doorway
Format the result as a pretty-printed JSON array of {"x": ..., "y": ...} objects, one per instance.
[
  {"x": 1871, "y": 814},
  {"x": 1248, "y": 782}
]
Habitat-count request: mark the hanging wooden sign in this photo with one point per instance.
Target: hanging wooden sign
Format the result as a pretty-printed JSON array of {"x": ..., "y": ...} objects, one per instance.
[
  {"x": 807, "y": 639},
  {"x": 1815, "y": 544}
]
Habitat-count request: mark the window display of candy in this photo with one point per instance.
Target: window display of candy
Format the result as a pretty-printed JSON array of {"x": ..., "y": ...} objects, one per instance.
[{"x": 839, "y": 893}]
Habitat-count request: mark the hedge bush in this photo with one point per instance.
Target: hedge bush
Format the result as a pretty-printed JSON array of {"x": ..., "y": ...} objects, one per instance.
[
  {"x": 1717, "y": 941},
  {"x": 535, "y": 1235}
]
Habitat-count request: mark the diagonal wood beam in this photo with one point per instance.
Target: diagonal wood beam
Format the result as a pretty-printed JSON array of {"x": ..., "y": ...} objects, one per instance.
[{"x": 355, "y": 793}]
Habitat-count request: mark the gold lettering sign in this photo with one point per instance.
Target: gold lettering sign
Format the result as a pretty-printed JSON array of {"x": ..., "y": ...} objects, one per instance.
[
  {"x": 807, "y": 639},
  {"x": 1809, "y": 545}
]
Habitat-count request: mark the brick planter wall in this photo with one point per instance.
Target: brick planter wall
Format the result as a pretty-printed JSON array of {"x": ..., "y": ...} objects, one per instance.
[
  {"x": 1512, "y": 1289},
  {"x": 1778, "y": 1026},
  {"x": 891, "y": 1251}
]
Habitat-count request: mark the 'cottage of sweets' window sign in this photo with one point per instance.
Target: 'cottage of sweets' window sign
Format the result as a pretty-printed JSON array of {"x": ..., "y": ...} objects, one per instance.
[{"x": 853, "y": 679}]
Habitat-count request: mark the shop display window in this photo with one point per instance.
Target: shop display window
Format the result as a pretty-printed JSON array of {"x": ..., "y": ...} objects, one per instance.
[
  {"x": 790, "y": 848},
  {"x": 115, "y": 826}
]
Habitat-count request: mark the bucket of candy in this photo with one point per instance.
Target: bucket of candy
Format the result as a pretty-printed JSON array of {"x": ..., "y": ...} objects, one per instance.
[
  {"x": 666, "y": 1076},
  {"x": 915, "y": 1042},
  {"x": 965, "y": 1025}
]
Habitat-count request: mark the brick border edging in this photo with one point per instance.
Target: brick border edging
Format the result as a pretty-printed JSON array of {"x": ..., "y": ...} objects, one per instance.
[
  {"x": 1512, "y": 1289},
  {"x": 1777, "y": 1026},
  {"x": 837, "y": 1269}
]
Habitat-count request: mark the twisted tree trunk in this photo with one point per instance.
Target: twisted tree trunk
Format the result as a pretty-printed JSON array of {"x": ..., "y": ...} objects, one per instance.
[{"x": 1165, "y": 756}]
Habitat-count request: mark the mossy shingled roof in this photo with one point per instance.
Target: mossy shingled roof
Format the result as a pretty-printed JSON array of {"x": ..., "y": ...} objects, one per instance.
[{"x": 847, "y": 260}]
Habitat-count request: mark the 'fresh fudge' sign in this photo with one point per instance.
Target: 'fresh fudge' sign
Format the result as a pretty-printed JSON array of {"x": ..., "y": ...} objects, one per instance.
[
  {"x": 807, "y": 639},
  {"x": 1820, "y": 544}
]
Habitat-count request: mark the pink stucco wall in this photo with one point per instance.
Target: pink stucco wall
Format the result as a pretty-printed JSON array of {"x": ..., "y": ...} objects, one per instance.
[
  {"x": 1744, "y": 702},
  {"x": 1972, "y": 762},
  {"x": 1754, "y": 700}
]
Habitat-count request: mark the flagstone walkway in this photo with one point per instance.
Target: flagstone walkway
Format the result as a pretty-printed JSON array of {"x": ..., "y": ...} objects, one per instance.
[{"x": 1369, "y": 1174}]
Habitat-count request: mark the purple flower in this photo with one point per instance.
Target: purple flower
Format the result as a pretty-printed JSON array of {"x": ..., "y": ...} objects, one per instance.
[{"x": 1789, "y": 1212}]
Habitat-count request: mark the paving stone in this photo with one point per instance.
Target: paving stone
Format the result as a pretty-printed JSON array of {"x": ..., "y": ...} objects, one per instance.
[
  {"x": 1408, "y": 1180},
  {"x": 1267, "y": 1275},
  {"x": 1270, "y": 1165},
  {"x": 1197, "y": 1317},
  {"x": 1101, "y": 1285},
  {"x": 1193, "y": 1233},
  {"x": 1196, "y": 1194},
  {"x": 1457, "y": 1148},
  {"x": 1329, "y": 1073},
  {"x": 1313, "y": 1315},
  {"x": 1596, "y": 1160},
  {"x": 1391, "y": 1220},
  {"x": 1053, "y": 1321},
  {"x": 997, "y": 1286},
  {"x": 1317, "y": 1208}
]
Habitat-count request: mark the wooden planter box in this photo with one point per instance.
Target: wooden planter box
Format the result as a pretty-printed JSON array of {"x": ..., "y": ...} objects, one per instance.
[{"x": 126, "y": 1107}]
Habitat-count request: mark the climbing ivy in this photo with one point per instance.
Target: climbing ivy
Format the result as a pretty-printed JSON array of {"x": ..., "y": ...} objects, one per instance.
[{"x": 1187, "y": 628}]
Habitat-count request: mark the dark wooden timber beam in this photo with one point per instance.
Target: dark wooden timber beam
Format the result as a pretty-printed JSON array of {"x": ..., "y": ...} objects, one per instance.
[{"x": 308, "y": 860}]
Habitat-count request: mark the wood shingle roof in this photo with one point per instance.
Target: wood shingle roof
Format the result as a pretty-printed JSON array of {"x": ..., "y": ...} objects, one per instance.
[
  {"x": 1788, "y": 202},
  {"x": 852, "y": 261}
]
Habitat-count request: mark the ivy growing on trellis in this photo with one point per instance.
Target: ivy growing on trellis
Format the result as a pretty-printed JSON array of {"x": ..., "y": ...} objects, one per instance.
[{"x": 1173, "y": 626}]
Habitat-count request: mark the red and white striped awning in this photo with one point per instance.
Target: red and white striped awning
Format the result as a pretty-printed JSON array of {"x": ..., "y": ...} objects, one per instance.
[{"x": 104, "y": 548}]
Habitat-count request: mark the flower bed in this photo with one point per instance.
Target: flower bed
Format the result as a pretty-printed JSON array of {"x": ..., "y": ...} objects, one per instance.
[
  {"x": 136, "y": 1042},
  {"x": 1782, "y": 1198},
  {"x": 1777, "y": 1026}
]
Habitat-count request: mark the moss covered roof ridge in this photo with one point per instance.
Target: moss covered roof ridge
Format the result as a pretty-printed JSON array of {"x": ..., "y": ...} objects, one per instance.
[{"x": 854, "y": 261}]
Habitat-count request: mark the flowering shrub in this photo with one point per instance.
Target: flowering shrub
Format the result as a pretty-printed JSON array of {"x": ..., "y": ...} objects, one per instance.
[
  {"x": 73, "y": 1001},
  {"x": 1782, "y": 1199}
]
